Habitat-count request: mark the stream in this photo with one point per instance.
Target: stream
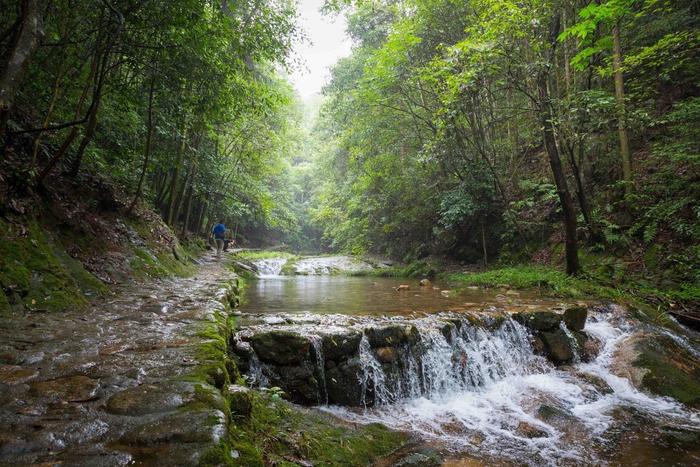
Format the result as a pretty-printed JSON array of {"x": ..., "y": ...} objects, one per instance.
[{"x": 461, "y": 371}]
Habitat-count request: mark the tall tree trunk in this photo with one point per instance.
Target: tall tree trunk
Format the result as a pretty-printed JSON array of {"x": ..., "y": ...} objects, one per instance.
[
  {"x": 483, "y": 243},
  {"x": 188, "y": 211},
  {"x": 97, "y": 94},
  {"x": 622, "y": 116},
  {"x": 183, "y": 191},
  {"x": 170, "y": 211},
  {"x": 147, "y": 149},
  {"x": 31, "y": 30},
  {"x": 550, "y": 144}
]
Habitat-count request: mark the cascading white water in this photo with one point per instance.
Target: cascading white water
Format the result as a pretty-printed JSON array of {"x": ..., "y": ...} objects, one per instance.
[
  {"x": 317, "y": 344},
  {"x": 270, "y": 267},
  {"x": 486, "y": 392},
  {"x": 472, "y": 357}
]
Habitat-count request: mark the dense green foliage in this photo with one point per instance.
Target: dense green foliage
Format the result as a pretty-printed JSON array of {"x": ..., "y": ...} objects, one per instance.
[
  {"x": 180, "y": 102},
  {"x": 437, "y": 120}
]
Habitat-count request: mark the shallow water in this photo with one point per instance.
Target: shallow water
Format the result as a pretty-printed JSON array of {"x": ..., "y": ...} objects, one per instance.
[
  {"x": 504, "y": 405},
  {"x": 323, "y": 294}
]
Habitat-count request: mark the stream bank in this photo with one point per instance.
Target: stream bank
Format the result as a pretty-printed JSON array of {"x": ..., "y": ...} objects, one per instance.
[{"x": 145, "y": 377}]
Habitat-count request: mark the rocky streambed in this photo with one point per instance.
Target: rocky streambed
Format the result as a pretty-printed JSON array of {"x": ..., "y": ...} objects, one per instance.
[{"x": 506, "y": 381}]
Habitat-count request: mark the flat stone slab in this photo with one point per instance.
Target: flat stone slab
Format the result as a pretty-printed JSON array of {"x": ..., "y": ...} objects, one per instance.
[
  {"x": 201, "y": 426},
  {"x": 70, "y": 388},
  {"x": 151, "y": 398},
  {"x": 13, "y": 375}
]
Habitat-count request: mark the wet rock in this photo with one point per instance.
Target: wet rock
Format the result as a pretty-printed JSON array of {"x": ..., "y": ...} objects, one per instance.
[
  {"x": 281, "y": 347},
  {"x": 557, "y": 346},
  {"x": 343, "y": 383},
  {"x": 13, "y": 375},
  {"x": 446, "y": 331},
  {"x": 392, "y": 335},
  {"x": 200, "y": 426},
  {"x": 596, "y": 381},
  {"x": 587, "y": 347},
  {"x": 403, "y": 287},
  {"x": 667, "y": 368},
  {"x": 386, "y": 354},
  {"x": 575, "y": 318},
  {"x": 425, "y": 458},
  {"x": 240, "y": 400},
  {"x": 298, "y": 382},
  {"x": 527, "y": 430},
  {"x": 71, "y": 388},
  {"x": 336, "y": 346},
  {"x": 538, "y": 320},
  {"x": 151, "y": 398},
  {"x": 550, "y": 413}
]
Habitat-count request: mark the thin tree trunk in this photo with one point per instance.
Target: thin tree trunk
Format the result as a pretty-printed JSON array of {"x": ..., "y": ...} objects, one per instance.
[
  {"x": 97, "y": 95},
  {"x": 622, "y": 119},
  {"x": 27, "y": 40},
  {"x": 188, "y": 210},
  {"x": 147, "y": 149},
  {"x": 74, "y": 130},
  {"x": 549, "y": 139},
  {"x": 483, "y": 243},
  {"x": 176, "y": 169},
  {"x": 181, "y": 195}
]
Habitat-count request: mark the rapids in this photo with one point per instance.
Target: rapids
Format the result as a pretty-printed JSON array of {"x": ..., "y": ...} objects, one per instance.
[{"x": 483, "y": 392}]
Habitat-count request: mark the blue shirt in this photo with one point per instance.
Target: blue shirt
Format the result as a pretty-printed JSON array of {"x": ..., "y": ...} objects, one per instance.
[{"x": 219, "y": 230}]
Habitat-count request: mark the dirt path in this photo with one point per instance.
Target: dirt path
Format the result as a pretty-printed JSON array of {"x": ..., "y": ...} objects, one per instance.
[{"x": 120, "y": 383}]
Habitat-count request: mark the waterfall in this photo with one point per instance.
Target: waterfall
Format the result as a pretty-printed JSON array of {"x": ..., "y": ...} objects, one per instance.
[
  {"x": 447, "y": 360},
  {"x": 270, "y": 267},
  {"x": 317, "y": 344}
]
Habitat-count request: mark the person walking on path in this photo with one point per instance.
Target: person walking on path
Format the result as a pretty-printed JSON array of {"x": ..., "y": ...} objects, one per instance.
[{"x": 219, "y": 232}]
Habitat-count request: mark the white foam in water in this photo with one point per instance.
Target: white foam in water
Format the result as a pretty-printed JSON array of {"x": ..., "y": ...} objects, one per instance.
[
  {"x": 476, "y": 405},
  {"x": 270, "y": 267}
]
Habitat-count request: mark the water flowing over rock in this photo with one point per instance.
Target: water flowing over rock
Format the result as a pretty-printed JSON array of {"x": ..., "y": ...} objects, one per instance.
[
  {"x": 270, "y": 267},
  {"x": 375, "y": 361}
]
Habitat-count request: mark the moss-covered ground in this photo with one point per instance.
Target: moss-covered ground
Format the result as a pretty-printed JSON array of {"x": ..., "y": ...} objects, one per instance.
[
  {"x": 37, "y": 274},
  {"x": 277, "y": 433}
]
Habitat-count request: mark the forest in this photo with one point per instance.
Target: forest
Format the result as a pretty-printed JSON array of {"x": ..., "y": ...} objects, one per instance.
[
  {"x": 481, "y": 131},
  {"x": 551, "y": 145}
]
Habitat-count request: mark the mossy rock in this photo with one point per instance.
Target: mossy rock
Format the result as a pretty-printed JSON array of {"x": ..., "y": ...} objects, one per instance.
[
  {"x": 671, "y": 370},
  {"x": 539, "y": 320},
  {"x": 575, "y": 318},
  {"x": 392, "y": 335},
  {"x": 558, "y": 346},
  {"x": 281, "y": 347},
  {"x": 337, "y": 346}
]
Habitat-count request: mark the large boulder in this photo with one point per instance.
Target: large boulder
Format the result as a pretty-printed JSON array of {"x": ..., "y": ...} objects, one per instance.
[
  {"x": 281, "y": 347},
  {"x": 667, "y": 368},
  {"x": 539, "y": 320},
  {"x": 392, "y": 335},
  {"x": 343, "y": 383},
  {"x": 575, "y": 318},
  {"x": 558, "y": 347},
  {"x": 337, "y": 346},
  {"x": 299, "y": 383}
]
